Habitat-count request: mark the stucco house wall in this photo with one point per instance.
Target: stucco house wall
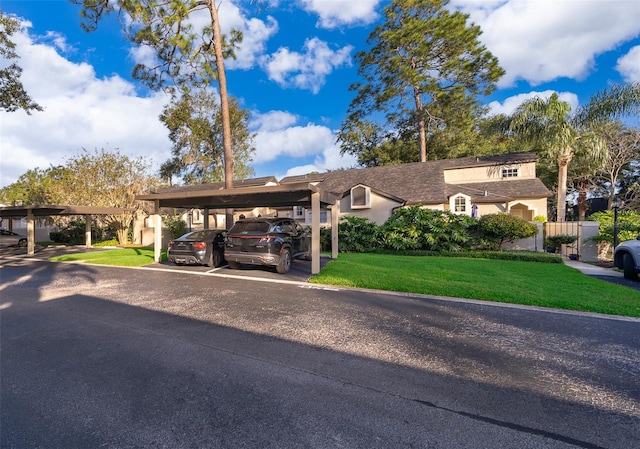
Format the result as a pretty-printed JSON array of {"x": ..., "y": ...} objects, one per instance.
[
  {"x": 380, "y": 210},
  {"x": 465, "y": 175}
]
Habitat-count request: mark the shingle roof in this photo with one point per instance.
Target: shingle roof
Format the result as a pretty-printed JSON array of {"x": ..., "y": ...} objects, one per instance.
[
  {"x": 253, "y": 182},
  {"x": 423, "y": 182}
]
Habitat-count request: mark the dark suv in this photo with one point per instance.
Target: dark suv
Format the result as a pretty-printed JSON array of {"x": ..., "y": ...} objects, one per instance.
[{"x": 266, "y": 241}]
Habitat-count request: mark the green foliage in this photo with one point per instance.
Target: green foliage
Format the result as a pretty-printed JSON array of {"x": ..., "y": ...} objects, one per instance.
[
  {"x": 523, "y": 256},
  {"x": 559, "y": 137},
  {"x": 175, "y": 224},
  {"x": 112, "y": 242},
  {"x": 187, "y": 52},
  {"x": 74, "y": 233},
  {"x": 537, "y": 284},
  {"x": 417, "y": 228},
  {"x": 194, "y": 122},
  {"x": 424, "y": 72},
  {"x": 13, "y": 96},
  {"x": 628, "y": 225},
  {"x": 36, "y": 186},
  {"x": 501, "y": 227},
  {"x": 100, "y": 178},
  {"x": 357, "y": 234}
]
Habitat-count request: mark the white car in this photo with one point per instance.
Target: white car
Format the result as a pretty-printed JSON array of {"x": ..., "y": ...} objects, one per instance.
[
  {"x": 11, "y": 238},
  {"x": 627, "y": 258}
]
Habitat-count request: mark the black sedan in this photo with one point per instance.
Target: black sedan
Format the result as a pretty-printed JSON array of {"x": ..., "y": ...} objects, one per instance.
[{"x": 204, "y": 247}]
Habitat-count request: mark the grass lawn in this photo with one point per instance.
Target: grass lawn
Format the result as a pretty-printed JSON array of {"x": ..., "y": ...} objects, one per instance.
[
  {"x": 126, "y": 257},
  {"x": 529, "y": 283}
]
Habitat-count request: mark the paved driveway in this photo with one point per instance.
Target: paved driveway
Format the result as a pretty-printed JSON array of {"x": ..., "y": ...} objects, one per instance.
[{"x": 112, "y": 357}]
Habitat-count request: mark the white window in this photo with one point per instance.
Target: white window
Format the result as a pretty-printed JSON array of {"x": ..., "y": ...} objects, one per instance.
[
  {"x": 298, "y": 212},
  {"x": 360, "y": 197},
  {"x": 324, "y": 216},
  {"x": 509, "y": 172},
  {"x": 460, "y": 204}
]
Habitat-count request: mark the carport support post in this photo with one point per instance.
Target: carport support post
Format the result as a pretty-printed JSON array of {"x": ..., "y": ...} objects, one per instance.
[
  {"x": 315, "y": 233},
  {"x": 335, "y": 210},
  {"x": 157, "y": 233},
  {"x": 206, "y": 218},
  {"x": 87, "y": 230},
  {"x": 31, "y": 233}
]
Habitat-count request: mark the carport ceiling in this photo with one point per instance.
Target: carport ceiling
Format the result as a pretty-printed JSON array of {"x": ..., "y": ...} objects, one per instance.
[
  {"x": 46, "y": 211},
  {"x": 295, "y": 194}
]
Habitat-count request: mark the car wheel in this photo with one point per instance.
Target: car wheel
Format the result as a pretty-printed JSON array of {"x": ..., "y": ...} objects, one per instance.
[
  {"x": 234, "y": 265},
  {"x": 216, "y": 258},
  {"x": 22, "y": 243},
  {"x": 285, "y": 261},
  {"x": 628, "y": 267}
]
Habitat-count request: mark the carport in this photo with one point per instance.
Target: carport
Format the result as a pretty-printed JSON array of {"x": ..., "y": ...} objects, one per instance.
[
  {"x": 34, "y": 211},
  {"x": 294, "y": 194}
]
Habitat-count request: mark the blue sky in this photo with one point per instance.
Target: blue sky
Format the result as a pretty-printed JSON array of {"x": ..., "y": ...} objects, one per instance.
[{"x": 292, "y": 73}]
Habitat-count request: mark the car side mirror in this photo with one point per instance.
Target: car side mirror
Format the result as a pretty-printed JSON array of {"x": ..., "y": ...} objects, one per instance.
[{"x": 638, "y": 238}]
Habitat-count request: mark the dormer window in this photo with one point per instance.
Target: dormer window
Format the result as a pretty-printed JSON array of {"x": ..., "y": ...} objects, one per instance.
[
  {"x": 460, "y": 204},
  {"x": 360, "y": 197},
  {"x": 509, "y": 172}
]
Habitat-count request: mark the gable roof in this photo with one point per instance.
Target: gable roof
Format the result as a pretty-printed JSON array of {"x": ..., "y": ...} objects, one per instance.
[
  {"x": 253, "y": 182},
  {"x": 423, "y": 182}
]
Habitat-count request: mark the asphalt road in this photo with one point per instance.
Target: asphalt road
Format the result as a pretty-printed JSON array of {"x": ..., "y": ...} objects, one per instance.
[{"x": 142, "y": 358}]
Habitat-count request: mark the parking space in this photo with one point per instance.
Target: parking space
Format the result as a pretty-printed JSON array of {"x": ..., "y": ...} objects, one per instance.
[{"x": 300, "y": 269}]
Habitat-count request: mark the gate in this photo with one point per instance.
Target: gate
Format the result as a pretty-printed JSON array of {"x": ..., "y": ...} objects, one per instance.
[{"x": 583, "y": 248}]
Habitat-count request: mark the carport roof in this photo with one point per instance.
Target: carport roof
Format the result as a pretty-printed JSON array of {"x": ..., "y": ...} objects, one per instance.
[
  {"x": 293, "y": 194},
  {"x": 48, "y": 210}
]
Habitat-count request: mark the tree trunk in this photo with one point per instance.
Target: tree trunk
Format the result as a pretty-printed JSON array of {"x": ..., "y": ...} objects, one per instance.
[
  {"x": 224, "y": 105},
  {"x": 422, "y": 129},
  {"x": 582, "y": 204},
  {"x": 563, "y": 165}
]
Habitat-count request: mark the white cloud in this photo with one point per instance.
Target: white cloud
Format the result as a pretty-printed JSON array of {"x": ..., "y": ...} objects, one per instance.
[
  {"x": 540, "y": 41},
  {"x": 307, "y": 70},
  {"x": 509, "y": 105},
  {"x": 295, "y": 141},
  {"x": 629, "y": 65},
  {"x": 329, "y": 159},
  {"x": 337, "y": 13},
  {"x": 277, "y": 135},
  {"x": 255, "y": 34},
  {"x": 272, "y": 120},
  {"x": 80, "y": 111}
]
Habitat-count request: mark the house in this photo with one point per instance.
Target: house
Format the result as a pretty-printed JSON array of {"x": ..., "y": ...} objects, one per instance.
[{"x": 473, "y": 186}]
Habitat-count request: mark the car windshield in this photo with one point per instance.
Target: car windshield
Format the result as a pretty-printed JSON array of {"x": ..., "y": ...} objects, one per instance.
[{"x": 250, "y": 227}]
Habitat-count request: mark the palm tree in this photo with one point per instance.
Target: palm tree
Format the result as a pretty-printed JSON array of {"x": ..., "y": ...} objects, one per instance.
[
  {"x": 556, "y": 133},
  {"x": 550, "y": 127}
]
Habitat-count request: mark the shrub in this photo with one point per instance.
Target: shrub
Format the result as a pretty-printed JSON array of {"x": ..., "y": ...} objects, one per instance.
[
  {"x": 356, "y": 234},
  {"x": 416, "y": 228},
  {"x": 175, "y": 224},
  {"x": 628, "y": 225},
  {"x": 501, "y": 227},
  {"x": 73, "y": 234}
]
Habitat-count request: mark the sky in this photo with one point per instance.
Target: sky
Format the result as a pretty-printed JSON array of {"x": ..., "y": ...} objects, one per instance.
[{"x": 292, "y": 74}]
